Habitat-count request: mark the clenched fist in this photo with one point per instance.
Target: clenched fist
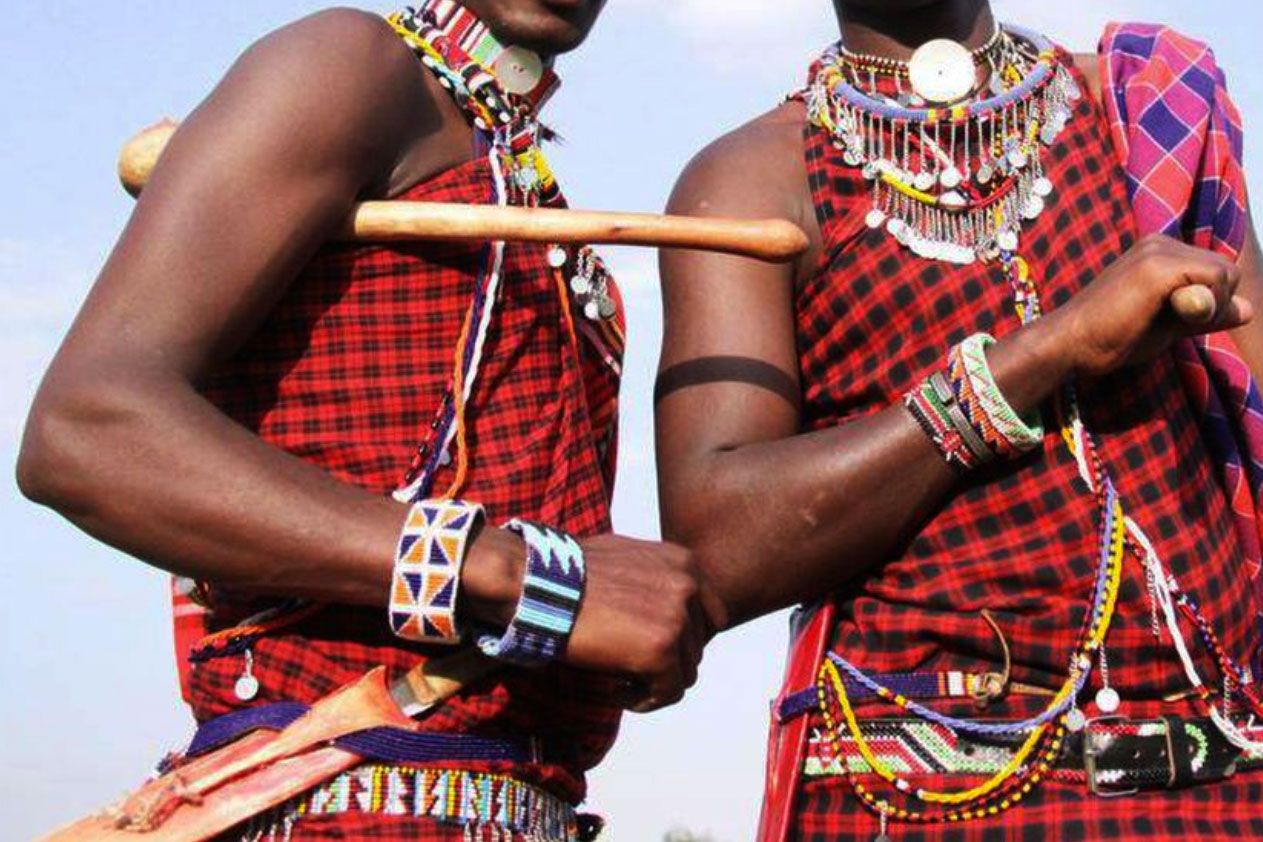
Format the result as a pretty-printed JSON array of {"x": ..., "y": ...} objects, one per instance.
[
  {"x": 1124, "y": 316},
  {"x": 641, "y": 617}
]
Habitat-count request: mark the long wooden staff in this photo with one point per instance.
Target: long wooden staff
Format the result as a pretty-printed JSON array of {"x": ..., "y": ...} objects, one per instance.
[{"x": 774, "y": 240}]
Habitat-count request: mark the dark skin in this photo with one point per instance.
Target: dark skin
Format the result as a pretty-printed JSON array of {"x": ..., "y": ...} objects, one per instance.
[
  {"x": 739, "y": 483},
  {"x": 120, "y": 441}
]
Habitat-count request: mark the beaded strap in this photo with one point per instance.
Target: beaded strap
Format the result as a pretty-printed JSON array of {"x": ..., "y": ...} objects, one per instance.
[
  {"x": 551, "y": 592},
  {"x": 428, "y": 562},
  {"x": 927, "y": 406}
]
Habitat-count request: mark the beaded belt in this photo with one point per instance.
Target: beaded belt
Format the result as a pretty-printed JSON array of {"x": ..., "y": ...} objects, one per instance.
[
  {"x": 980, "y": 687},
  {"x": 482, "y": 803},
  {"x": 386, "y": 745},
  {"x": 1112, "y": 755}
]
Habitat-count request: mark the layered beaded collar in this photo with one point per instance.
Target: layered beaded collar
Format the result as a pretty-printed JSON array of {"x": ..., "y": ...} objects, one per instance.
[{"x": 954, "y": 183}]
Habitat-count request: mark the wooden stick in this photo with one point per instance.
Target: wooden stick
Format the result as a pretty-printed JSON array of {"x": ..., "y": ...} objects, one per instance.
[{"x": 774, "y": 240}]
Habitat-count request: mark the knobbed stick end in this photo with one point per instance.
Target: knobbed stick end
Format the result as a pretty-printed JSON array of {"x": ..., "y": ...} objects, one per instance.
[
  {"x": 141, "y": 154},
  {"x": 1195, "y": 305},
  {"x": 786, "y": 240}
]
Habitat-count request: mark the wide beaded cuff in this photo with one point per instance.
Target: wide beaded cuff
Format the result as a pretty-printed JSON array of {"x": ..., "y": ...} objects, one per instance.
[
  {"x": 551, "y": 592},
  {"x": 963, "y": 411},
  {"x": 428, "y": 562}
]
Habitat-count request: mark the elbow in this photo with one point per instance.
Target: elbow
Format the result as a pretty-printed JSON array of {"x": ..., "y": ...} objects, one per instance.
[
  {"x": 43, "y": 472},
  {"x": 72, "y": 429}
]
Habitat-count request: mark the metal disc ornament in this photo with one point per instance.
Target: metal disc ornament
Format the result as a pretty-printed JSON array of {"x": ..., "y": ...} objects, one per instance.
[
  {"x": 246, "y": 688},
  {"x": 1107, "y": 700},
  {"x": 942, "y": 71}
]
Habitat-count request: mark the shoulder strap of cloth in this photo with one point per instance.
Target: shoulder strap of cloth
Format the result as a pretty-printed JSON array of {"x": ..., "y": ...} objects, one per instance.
[{"x": 1179, "y": 137}]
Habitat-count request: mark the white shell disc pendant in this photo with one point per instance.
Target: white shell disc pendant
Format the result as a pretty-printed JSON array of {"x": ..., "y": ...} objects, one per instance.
[{"x": 941, "y": 71}]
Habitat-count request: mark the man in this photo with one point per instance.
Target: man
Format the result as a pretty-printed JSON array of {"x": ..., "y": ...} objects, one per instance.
[
  {"x": 237, "y": 401},
  {"x": 1009, "y": 623}
]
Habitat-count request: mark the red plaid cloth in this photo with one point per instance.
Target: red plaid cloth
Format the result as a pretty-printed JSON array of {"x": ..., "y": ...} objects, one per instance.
[
  {"x": 1019, "y": 539},
  {"x": 347, "y": 373},
  {"x": 1056, "y": 811}
]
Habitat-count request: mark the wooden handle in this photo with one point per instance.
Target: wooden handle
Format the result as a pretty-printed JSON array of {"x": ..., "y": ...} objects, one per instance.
[
  {"x": 1195, "y": 305},
  {"x": 774, "y": 240}
]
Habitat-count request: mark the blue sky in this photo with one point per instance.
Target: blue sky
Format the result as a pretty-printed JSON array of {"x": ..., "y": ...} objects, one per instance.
[{"x": 89, "y": 698}]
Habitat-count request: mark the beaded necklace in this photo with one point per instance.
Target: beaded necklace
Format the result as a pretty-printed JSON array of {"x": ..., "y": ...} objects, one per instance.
[
  {"x": 441, "y": 31},
  {"x": 841, "y": 109},
  {"x": 940, "y": 174}
]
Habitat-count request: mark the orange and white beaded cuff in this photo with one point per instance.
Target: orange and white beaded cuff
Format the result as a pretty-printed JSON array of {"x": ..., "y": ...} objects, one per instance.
[{"x": 428, "y": 562}]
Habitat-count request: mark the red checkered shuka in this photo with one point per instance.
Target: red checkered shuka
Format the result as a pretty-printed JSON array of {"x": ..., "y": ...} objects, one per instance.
[
  {"x": 1019, "y": 539},
  {"x": 348, "y": 373}
]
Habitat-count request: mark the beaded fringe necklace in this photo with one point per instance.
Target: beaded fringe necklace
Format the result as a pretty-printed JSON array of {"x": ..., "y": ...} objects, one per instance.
[
  {"x": 916, "y": 158},
  {"x": 951, "y": 183}
]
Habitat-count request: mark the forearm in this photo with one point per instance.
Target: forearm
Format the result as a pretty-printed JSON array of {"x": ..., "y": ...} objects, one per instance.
[
  {"x": 147, "y": 465},
  {"x": 779, "y": 522}
]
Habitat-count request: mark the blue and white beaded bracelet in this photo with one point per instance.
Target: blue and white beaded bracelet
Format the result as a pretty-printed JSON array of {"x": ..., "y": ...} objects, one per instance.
[
  {"x": 551, "y": 592},
  {"x": 428, "y": 561}
]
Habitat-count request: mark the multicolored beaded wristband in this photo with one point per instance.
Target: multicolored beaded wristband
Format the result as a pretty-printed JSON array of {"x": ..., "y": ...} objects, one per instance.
[
  {"x": 551, "y": 592},
  {"x": 932, "y": 404},
  {"x": 428, "y": 562},
  {"x": 979, "y": 393},
  {"x": 965, "y": 414}
]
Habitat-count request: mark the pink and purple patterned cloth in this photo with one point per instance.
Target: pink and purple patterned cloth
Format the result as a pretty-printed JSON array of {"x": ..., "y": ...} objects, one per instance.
[{"x": 1180, "y": 139}]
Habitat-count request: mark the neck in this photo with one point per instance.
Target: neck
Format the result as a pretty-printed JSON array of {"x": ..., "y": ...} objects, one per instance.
[{"x": 896, "y": 33}]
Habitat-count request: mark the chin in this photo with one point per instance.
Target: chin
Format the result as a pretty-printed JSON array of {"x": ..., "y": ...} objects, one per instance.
[
  {"x": 546, "y": 26},
  {"x": 887, "y": 6}
]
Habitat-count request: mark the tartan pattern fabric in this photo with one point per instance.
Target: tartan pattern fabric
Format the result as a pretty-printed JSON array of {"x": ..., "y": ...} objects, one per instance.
[
  {"x": 1062, "y": 811},
  {"x": 1019, "y": 538},
  {"x": 347, "y": 373},
  {"x": 1179, "y": 136},
  {"x": 1179, "y": 133}
]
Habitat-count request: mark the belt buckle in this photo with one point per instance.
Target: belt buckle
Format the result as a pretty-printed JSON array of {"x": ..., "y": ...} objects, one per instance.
[{"x": 1089, "y": 758}]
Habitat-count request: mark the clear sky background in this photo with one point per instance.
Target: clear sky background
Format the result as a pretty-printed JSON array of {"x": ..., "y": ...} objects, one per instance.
[{"x": 88, "y": 696}]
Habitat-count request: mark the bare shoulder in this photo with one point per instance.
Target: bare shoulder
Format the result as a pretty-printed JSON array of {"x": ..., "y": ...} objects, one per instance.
[
  {"x": 341, "y": 52},
  {"x": 342, "y": 77},
  {"x": 755, "y": 169}
]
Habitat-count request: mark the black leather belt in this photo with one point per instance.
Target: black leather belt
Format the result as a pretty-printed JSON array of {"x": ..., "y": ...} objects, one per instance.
[{"x": 1120, "y": 756}]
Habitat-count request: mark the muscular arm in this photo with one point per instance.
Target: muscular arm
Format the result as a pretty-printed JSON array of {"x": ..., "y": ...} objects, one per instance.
[
  {"x": 329, "y": 110},
  {"x": 777, "y": 516},
  {"x": 774, "y": 515}
]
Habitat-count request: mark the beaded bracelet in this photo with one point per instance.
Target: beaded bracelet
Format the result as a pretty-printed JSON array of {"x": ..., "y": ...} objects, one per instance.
[
  {"x": 551, "y": 592},
  {"x": 932, "y": 404},
  {"x": 965, "y": 414},
  {"x": 978, "y": 392},
  {"x": 428, "y": 562}
]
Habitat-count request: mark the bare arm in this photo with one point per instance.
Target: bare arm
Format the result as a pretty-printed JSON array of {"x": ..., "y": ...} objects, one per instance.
[
  {"x": 328, "y": 111},
  {"x": 777, "y": 516},
  {"x": 309, "y": 119}
]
